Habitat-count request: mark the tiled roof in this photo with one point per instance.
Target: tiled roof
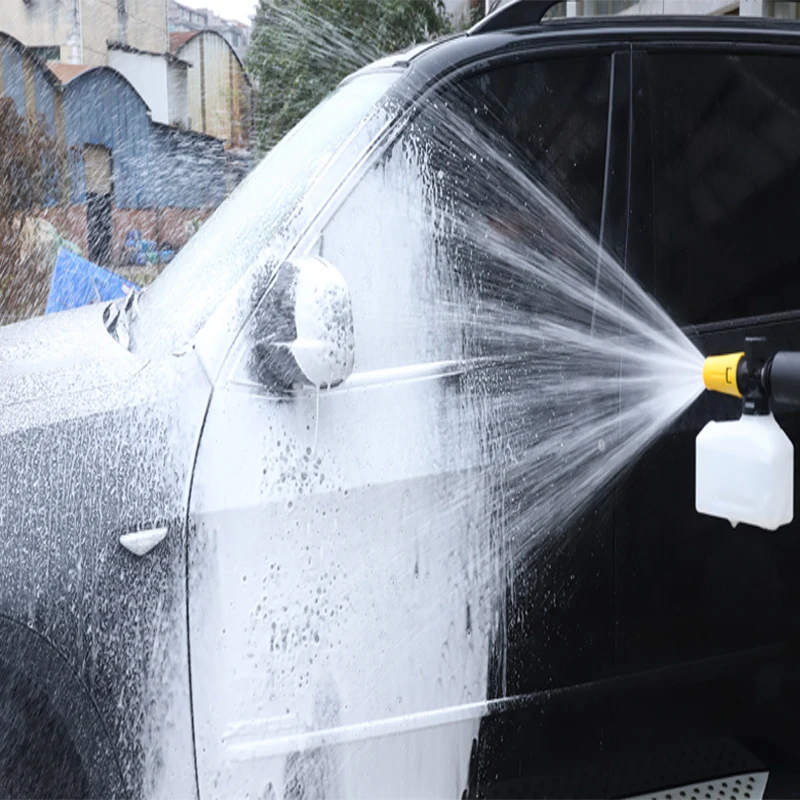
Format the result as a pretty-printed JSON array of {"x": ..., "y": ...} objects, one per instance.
[
  {"x": 66, "y": 72},
  {"x": 178, "y": 40}
]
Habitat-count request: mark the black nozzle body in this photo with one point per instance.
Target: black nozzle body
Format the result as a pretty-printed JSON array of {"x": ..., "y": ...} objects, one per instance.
[
  {"x": 782, "y": 378},
  {"x": 750, "y": 376}
]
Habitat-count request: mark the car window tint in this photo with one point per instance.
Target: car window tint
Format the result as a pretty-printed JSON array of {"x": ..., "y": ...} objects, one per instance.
[
  {"x": 716, "y": 183},
  {"x": 398, "y": 238},
  {"x": 554, "y": 116}
]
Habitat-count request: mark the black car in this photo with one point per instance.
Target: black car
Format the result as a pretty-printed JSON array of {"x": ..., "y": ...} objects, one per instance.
[{"x": 268, "y": 529}]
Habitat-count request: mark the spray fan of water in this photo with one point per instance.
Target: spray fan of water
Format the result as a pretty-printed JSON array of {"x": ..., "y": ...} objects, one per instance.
[{"x": 573, "y": 368}]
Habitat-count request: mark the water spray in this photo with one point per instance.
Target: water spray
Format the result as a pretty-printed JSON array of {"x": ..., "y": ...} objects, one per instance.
[{"x": 745, "y": 468}]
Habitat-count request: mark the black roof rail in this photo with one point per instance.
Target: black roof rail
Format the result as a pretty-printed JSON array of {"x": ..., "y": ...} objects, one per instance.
[{"x": 515, "y": 15}]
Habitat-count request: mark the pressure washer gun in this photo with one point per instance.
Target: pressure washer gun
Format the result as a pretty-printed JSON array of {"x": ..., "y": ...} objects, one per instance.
[{"x": 745, "y": 469}]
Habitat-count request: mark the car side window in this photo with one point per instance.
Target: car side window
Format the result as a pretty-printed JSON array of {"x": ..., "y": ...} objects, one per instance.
[
  {"x": 554, "y": 116},
  {"x": 398, "y": 236},
  {"x": 715, "y": 185}
]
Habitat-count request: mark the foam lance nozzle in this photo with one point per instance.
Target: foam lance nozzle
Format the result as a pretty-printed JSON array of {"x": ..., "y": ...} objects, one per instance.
[
  {"x": 756, "y": 376},
  {"x": 719, "y": 373}
]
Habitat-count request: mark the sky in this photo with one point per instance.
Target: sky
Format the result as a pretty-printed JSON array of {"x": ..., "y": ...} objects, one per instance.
[{"x": 230, "y": 9}]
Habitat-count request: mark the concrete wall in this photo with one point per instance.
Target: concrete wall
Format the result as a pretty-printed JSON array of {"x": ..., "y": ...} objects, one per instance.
[
  {"x": 81, "y": 29},
  {"x": 143, "y": 25},
  {"x": 98, "y": 25},
  {"x": 218, "y": 90},
  {"x": 147, "y": 25},
  {"x": 178, "y": 93},
  {"x": 42, "y": 23},
  {"x": 192, "y": 53},
  {"x": 148, "y": 74}
]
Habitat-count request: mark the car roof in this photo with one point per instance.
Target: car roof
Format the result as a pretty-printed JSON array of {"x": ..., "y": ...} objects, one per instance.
[{"x": 439, "y": 57}]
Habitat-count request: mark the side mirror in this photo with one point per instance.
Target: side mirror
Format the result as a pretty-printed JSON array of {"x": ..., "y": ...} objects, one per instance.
[{"x": 304, "y": 328}]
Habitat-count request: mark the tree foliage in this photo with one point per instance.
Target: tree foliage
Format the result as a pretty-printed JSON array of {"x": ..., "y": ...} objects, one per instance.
[
  {"x": 31, "y": 163},
  {"x": 477, "y": 13},
  {"x": 301, "y": 49}
]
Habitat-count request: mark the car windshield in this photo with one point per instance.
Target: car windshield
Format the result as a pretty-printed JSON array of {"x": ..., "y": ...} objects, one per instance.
[{"x": 173, "y": 309}]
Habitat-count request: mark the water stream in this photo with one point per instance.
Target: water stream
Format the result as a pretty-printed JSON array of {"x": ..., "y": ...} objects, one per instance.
[
  {"x": 574, "y": 368},
  {"x": 569, "y": 369}
]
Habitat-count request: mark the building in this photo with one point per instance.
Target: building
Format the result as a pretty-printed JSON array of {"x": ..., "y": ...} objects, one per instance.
[
  {"x": 186, "y": 121},
  {"x": 128, "y": 172},
  {"x": 218, "y": 86},
  {"x": 77, "y": 31},
  {"x": 124, "y": 170},
  {"x": 160, "y": 78},
  {"x": 184, "y": 19}
]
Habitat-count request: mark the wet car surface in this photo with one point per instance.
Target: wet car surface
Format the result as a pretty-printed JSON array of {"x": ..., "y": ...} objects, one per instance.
[{"x": 315, "y": 595}]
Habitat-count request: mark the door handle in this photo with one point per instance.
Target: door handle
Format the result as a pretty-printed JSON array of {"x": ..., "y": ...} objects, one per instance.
[{"x": 140, "y": 543}]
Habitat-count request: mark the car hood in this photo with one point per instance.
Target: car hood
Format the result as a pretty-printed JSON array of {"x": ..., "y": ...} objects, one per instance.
[{"x": 60, "y": 354}]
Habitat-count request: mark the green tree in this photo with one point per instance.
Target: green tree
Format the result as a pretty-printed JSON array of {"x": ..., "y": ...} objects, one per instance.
[
  {"x": 301, "y": 49},
  {"x": 477, "y": 12}
]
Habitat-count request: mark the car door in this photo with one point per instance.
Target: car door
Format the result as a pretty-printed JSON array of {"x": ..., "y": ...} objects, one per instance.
[
  {"x": 707, "y": 615},
  {"x": 357, "y": 605},
  {"x": 555, "y": 654}
]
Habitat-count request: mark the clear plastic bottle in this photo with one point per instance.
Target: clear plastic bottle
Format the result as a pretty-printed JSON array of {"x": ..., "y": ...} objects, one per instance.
[{"x": 745, "y": 472}]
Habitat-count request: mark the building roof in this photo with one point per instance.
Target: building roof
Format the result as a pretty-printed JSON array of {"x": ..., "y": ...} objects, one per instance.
[
  {"x": 72, "y": 73},
  {"x": 66, "y": 72},
  {"x": 126, "y": 48},
  {"x": 178, "y": 40},
  {"x": 187, "y": 132}
]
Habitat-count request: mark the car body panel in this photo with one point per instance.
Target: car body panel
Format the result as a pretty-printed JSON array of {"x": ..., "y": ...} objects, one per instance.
[
  {"x": 707, "y": 633},
  {"x": 343, "y": 645},
  {"x": 394, "y": 438},
  {"x": 317, "y": 546},
  {"x": 104, "y": 446},
  {"x": 352, "y": 516}
]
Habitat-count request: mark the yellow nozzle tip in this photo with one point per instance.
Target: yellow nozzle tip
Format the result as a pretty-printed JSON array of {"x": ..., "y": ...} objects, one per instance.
[{"x": 719, "y": 373}]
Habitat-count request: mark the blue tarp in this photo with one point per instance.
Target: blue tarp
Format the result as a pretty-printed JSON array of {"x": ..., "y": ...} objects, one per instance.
[{"x": 77, "y": 282}]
